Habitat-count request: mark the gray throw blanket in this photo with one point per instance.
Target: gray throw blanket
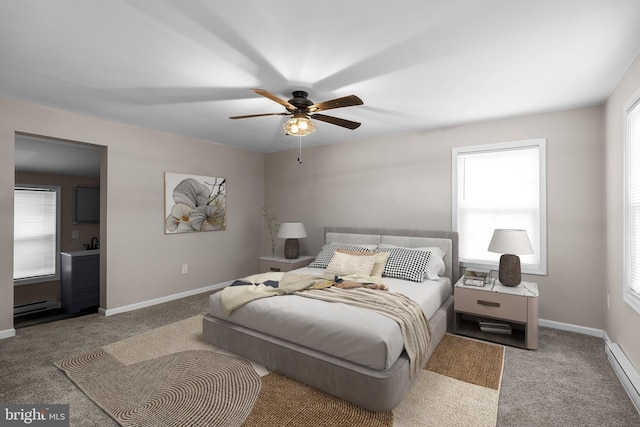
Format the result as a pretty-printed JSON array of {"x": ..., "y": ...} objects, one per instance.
[{"x": 414, "y": 326}]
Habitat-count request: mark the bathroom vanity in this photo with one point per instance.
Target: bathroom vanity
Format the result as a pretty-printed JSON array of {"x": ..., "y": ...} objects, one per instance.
[{"x": 80, "y": 287}]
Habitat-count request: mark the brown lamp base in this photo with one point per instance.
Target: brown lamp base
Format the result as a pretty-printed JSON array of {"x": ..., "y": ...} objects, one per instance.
[
  {"x": 509, "y": 270},
  {"x": 291, "y": 248}
]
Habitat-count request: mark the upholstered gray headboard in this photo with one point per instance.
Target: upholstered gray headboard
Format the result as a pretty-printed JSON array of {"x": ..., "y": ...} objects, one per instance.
[{"x": 445, "y": 240}]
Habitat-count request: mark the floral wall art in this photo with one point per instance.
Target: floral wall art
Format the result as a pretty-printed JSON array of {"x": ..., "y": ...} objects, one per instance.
[{"x": 194, "y": 203}]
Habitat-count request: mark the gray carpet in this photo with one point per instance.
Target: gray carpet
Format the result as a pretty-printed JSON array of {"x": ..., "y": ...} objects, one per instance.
[{"x": 567, "y": 382}]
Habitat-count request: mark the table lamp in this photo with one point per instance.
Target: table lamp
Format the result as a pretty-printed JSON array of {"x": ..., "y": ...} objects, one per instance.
[
  {"x": 292, "y": 231},
  {"x": 510, "y": 243}
]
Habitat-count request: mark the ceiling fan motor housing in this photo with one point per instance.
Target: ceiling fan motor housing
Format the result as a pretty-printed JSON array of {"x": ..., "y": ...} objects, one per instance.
[{"x": 300, "y": 99}]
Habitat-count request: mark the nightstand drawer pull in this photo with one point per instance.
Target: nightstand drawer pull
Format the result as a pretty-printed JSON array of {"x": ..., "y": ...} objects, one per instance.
[
  {"x": 274, "y": 269},
  {"x": 489, "y": 303}
]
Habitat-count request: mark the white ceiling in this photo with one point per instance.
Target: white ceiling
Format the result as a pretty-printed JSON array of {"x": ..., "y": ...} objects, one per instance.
[{"x": 184, "y": 67}]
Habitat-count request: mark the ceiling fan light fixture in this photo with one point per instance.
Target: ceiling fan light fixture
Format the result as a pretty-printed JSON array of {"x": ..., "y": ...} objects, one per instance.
[
  {"x": 299, "y": 125},
  {"x": 299, "y": 107}
]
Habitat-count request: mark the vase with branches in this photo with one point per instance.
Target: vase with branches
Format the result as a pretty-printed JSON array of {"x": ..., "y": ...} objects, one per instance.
[{"x": 271, "y": 220}]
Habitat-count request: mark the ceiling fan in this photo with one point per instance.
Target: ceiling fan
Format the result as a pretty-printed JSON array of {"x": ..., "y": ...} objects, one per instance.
[{"x": 302, "y": 109}]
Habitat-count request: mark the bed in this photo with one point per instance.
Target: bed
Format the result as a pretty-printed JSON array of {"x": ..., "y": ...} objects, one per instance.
[{"x": 349, "y": 352}]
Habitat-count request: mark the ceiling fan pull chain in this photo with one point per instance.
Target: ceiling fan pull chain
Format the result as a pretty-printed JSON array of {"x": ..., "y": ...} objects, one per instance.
[{"x": 300, "y": 149}]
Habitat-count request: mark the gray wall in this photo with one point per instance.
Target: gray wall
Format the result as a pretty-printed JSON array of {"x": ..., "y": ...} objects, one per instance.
[
  {"x": 404, "y": 181},
  {"x": 139, "y": 262},
  {"x": 623, "y": 323}
]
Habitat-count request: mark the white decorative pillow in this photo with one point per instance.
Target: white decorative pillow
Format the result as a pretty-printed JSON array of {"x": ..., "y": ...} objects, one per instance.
[
  {"x": 380, "y": 260},
  {"x": 343, "y": 264},
  {"x": 436, "y": 266},
  {"x": 325, "y": 255},
  {"x": 407, "y": 264}
]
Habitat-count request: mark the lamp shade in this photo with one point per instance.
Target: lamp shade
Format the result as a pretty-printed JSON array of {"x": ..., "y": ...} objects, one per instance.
[
  {"x": 292, "y": 230},
  {"x": 510, "y": 243},
  {"x": 506, "y": 241}
]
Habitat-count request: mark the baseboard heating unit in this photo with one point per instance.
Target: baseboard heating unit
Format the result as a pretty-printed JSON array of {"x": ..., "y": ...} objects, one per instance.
[
  {"x": 35, "y": 307},
  {"x": 625, "y": 371}
]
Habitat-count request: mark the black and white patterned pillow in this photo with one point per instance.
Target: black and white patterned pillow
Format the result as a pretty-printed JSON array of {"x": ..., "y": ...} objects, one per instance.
[
  {"x": 406, "y": 264},
  {"x": 324, "y": 257}
]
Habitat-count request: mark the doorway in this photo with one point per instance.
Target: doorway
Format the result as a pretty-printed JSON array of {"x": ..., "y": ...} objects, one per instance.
[{"x": 68, "y": 165}]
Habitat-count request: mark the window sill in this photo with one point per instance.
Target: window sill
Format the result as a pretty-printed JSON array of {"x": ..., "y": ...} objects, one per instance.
[
  {"x": 34, "y": 280},
  {"x": 494, "y": 267}
]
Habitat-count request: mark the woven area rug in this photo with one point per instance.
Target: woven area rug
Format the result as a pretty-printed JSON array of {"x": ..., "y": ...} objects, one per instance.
[{"x": 171, "y": 377}]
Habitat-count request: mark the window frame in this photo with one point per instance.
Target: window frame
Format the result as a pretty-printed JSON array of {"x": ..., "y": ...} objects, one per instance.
[
  {"x": 49, "y": 277},
  {"x": 541, "y": 144},
  {"x": 629, "y": 295}
]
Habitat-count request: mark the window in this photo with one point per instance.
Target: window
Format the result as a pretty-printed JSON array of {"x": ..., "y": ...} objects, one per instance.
[
  {"x": 500, "y": 186},
  {"x": 36, "y": 242},
  {"x": 631, "y": 281}
]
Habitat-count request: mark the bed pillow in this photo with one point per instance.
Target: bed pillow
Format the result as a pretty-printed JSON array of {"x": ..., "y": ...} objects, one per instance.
[
  {"x": 325, "y": 255},
  {"x": 436, "y": 267},
  {"x": 380, "y": 260},
  {"x": 343, "y": 264},
  {"x": 406, "y": 264}
]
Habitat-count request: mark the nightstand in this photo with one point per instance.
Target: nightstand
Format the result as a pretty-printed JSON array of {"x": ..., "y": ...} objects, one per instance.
[
  {"x": 276, "y": 263},
  {"x": 498, "y": 313}
]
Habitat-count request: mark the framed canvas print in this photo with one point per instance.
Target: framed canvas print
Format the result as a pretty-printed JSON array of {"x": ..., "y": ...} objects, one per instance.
[{"x": 194, "y": 203}]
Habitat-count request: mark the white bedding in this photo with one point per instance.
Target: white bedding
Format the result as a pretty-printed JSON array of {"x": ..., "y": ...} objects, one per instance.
[{"x": 348, "y": 332}]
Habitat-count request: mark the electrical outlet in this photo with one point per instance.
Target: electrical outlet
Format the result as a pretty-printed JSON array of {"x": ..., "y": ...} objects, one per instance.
[
  {"x": 185, "y": 269},
  {"x": 75, "y": 234}
]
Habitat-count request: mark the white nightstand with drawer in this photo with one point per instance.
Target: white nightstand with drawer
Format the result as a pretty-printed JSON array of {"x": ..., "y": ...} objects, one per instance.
[
  {"x": 276, "y": 263},
  {"x": 503, "y": 314}
]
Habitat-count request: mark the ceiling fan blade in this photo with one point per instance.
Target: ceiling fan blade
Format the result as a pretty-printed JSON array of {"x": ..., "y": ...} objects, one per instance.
[
  {"x": 336, "y": 121},
  {"x": 259, "y": 115},
  {"x": 345, "y": 101},
  {"x": 275, "y": 98}
]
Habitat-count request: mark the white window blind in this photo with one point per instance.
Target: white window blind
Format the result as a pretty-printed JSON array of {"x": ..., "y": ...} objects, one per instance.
[
  {"x": 35, "y": 245},
  {"x": 632, "y": 207},
  {"x": 500, "y": 186}
]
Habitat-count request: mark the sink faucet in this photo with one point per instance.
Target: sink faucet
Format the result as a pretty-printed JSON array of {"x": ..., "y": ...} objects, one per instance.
[{"x": 95, "y": 244}]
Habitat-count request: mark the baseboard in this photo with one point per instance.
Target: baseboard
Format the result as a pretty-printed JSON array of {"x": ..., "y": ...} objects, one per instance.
[
  {"x": 7, "y": 333},
  {"x": 149, "y": 303},
  {"x": 571, "y": 328},
  {"x": 625, "y": 371}
]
